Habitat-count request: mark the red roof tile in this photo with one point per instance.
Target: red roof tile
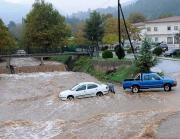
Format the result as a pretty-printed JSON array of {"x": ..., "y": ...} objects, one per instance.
[{"x": 169, "y": 19}]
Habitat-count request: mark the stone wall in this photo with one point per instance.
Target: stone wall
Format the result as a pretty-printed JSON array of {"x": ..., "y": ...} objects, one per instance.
[
  {"x": 30, "y": 69},
  {"x": 107, "y": 66}
]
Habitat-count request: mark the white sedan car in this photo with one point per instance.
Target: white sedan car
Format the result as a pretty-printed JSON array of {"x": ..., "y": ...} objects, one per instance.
[{"x": 84, "y": 89}]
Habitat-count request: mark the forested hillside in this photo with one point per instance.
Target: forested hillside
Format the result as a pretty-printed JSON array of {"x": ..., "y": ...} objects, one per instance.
[
  {"x": 153, "y": 8},
  {"x": 150, "y": 8}
]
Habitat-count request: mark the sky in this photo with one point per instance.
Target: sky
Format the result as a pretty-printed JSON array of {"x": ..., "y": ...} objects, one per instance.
[{"x": 73, "y": 6}]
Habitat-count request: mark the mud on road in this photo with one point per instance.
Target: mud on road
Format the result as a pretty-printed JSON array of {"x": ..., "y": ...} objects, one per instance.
[{"x": 30, "y": 108}]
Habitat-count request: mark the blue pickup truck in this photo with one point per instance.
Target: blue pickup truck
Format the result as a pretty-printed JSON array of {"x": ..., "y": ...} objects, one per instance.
[{"x": 147, "y": 81}]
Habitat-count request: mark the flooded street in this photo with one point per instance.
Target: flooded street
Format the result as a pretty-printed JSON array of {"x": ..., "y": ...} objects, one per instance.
[{"x": 30, "y": 109}]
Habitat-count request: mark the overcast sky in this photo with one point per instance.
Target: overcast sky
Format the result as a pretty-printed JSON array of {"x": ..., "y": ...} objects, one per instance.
[{"x": 73, "y": 6}]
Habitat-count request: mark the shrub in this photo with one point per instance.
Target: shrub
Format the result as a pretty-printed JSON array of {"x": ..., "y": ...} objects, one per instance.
[
  {"x": 104, "y": 48},
  {"x": 158, "y": 51},
  {"x": 129, "y": 50},
  {"x": 107, "y": 54},
  {"x": 120, "y": 55},
  {"x": 178, "y": 53}
]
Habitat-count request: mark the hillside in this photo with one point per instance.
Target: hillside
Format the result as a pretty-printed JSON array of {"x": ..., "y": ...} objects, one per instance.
[
  {"x": 150, "y": 8},
  {"x": 153, "y": 8}
]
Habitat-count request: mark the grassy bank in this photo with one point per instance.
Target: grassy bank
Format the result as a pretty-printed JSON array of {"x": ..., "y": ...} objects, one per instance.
[{"x": 85, "y": 64}]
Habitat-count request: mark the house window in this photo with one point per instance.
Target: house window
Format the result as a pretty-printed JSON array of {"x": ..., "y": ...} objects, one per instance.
[
  {"x": 169, "y": 40},
  {"x": 176, "y": 41},
  {"x": 155, "y": 29},
  {"x": 175, "y": 27},
  {"x": 169, "y": 28},
  {"x": 156, "y": 39},
  {"x": 148, "y": 29}
]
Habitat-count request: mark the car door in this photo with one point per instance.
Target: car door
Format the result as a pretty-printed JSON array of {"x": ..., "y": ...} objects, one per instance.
[
  {"x": 92, "y": 89},
  {"x": 80, "y": 92},
  {"x": 156, "y": 81},
  {"x": 146, "y": 81}
]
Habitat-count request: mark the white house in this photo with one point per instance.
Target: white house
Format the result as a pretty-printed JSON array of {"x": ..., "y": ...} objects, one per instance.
[{"x": 161, "y": 30}]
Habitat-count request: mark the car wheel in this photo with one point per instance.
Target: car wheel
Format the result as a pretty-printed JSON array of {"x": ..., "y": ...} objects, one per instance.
[
  {"x": 167, "y": 87},
  {"x": 135, "y": 89},
  {"x": 70, "y": 98},
  {"x": 99, "y": 94}
]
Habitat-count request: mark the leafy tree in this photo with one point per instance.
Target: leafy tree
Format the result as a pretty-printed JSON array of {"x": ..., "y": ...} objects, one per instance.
[
  {"x": 110, "y": 39},
  {"x": 45, "y": 27},
  {"x": 111, "y": 27},
  {"x": 7, "y": 44},
  {"x": 11, "y": 25},
  {"x": 93, "y": 28},
  {"x": 165, "y": 16},
  {"x": 79, "y": 34},
  {"x": 136, "y": 18},
  {"x": 106, "y": 16},
  {"x": 145, "y": 60}
]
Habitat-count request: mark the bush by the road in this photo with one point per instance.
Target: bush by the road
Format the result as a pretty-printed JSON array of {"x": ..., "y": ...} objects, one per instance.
[
  {"x": 158, "y": 51},
  {"x": 107, "y": 54}
]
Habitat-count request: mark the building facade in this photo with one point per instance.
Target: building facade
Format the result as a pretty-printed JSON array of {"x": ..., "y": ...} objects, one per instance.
[{"x": 161, "y": 30}]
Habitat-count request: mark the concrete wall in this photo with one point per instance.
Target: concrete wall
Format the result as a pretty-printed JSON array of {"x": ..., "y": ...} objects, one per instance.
[
  {"x": 31, "y": 69},
  {"x": 108, "y": 66}
]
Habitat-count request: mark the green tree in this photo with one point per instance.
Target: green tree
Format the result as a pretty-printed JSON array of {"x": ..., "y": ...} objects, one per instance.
[
  {"x": 145, "y": 60},
  {"x": 106, "y": 16},
  {"x": 110, "y": 39},
  {"x": 136, "y": 17},
  {"x": 45, "y": 27},
  {"x": 93, "y": 29},
  {"x": 80, "y": 40},
  {"x": 11, "y": 25},
  {"x": 165, "y": 16},
  {"x": 7, "y": 44}
]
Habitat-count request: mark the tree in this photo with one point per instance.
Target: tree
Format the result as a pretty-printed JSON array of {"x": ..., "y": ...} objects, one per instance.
[
  {"x": 80, "y": 40},
  {"x": 164, "y": 16},
  {"x": 110, "y": 39},
  {"x": 136, "y": 18},
  {"x": 45, "y": 27},
  {"x": 106, "y": 16},
  {"x": 111, "y": 27},
  {"x": 7, "y": 44},
  {"x": 11, "y": 25},
  {"x": 93, "y": 28},
  {"x": 145, "y": 60}
]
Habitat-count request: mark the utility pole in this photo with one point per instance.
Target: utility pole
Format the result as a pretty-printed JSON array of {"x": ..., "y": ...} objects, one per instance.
[
  {"x": 120, "y": 10},
  {"x": 119, "y": 27}
]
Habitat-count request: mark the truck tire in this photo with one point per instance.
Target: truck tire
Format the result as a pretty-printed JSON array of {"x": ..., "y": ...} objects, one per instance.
[
  {"x": 167, "y": 87},
  {"x": 135, "y": 89}
]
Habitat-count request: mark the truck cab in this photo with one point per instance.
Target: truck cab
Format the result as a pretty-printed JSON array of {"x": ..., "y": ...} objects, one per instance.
[{"x": 148, "y": 80}]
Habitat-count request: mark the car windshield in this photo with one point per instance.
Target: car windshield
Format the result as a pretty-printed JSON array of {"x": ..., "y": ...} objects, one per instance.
[{"x": 74, "y": 88}]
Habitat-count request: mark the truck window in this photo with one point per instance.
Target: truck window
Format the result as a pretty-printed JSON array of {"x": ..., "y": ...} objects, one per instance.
[
  {"x": 154, "y": 77},
  {"x": 146, "y": 77}
]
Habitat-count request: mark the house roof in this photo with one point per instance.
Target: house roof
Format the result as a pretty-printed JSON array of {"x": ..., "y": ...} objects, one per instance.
[
  {"x": 169, "y": 19},
  {"x": 139, "y": 24}
]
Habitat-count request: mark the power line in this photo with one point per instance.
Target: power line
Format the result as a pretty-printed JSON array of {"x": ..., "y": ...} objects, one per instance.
[{"x": 103, "y": 4}]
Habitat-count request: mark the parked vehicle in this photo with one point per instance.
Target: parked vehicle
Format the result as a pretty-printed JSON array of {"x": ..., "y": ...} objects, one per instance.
[
  {"x": 147, "y": 81},
  {"x": 172, "y": 52},
  {"x": 84, "y": 89}
]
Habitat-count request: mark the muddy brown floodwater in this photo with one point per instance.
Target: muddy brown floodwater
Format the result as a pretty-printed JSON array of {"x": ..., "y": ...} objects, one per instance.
[{"x": 30, "y": 109}]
